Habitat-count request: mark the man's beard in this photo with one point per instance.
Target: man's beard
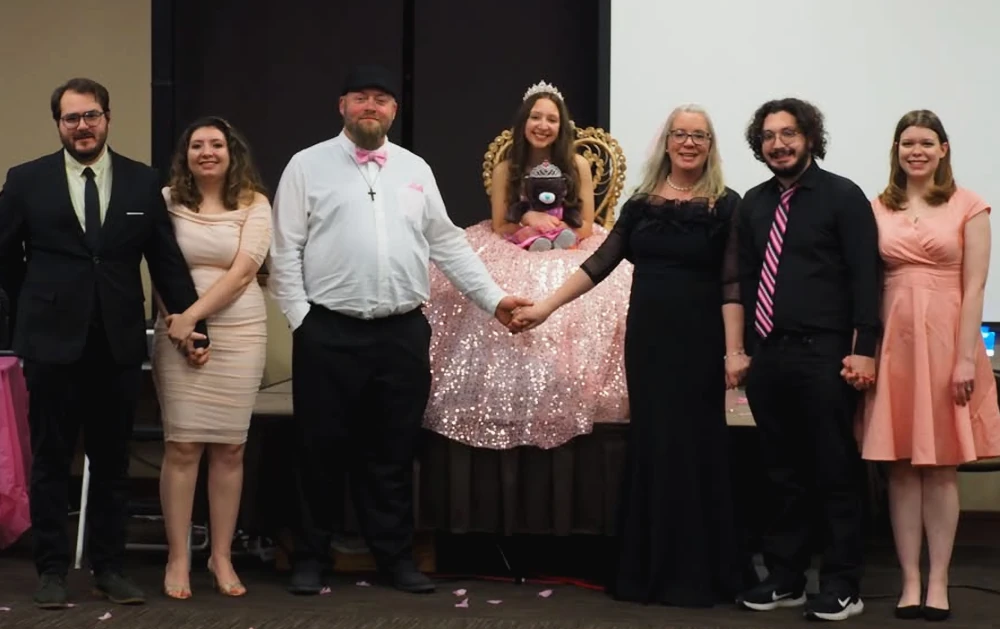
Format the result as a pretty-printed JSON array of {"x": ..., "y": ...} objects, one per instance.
[
  {"x": 367, "y": 136},
  {"x": 84, "y": 156},
  {"x": 788, "y": 172}
]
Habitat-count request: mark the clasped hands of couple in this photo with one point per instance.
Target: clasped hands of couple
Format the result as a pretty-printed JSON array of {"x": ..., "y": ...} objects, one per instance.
[
  {"x": 180, "y": 329},
  {"x": 859, "y": 372}
]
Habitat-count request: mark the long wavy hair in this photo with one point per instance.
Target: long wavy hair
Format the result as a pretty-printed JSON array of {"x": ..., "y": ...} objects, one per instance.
[
  {"x": 711, "y": 184},
  {"x": 894, "y": 195},
  {"x": 242, "y": 179},
  {"x": 562, "y": 150}
]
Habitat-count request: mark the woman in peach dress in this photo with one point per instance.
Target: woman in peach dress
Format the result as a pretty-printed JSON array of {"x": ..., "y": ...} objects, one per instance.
[
  {"x": 223, "y": 226},
  {"x": 934, "y": 405}
]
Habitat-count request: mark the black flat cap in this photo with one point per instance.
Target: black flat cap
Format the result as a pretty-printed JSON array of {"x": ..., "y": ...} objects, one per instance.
[{"x": 364, "y": 77}]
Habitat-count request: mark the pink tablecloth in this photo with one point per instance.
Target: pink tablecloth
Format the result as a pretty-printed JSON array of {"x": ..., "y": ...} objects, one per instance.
[{"x": 15, "y": 452}]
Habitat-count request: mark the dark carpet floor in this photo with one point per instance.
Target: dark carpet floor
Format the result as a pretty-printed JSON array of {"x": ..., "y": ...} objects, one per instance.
[{"x": 491, "y": 604}]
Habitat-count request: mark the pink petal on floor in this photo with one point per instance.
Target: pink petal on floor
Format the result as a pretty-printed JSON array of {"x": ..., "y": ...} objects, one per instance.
[
  {"x": 459, "y": 592},
  {"x": 4, "y": 609},
  {"x": 464, "y": 603},
  {"x": 70, "y": 604},
  {"x": 494, "y": 602},
  {"x": 106, "y": 616},
  {"x": 741, "y": 400},
  {"x": 363, "y": 584},
  {"x": 545, "y": 593},
  {"x": 325, "y": 590}
]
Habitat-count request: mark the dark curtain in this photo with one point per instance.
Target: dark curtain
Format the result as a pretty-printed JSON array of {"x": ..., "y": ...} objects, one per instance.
[
  {"x": 275, "y": 69},
  {"x": 472, "y": 62}
]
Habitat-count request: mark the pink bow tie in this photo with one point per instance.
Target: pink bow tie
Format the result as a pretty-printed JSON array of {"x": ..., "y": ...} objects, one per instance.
[{"x": 364, "y": 156}]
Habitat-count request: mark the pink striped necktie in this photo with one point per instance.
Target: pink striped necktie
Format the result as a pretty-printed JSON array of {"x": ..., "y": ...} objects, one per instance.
[{"x": 764, "y": 316}]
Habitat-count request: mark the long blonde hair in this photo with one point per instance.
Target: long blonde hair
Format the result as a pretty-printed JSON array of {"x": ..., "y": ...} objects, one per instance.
[{"x": 711, "y": 183}]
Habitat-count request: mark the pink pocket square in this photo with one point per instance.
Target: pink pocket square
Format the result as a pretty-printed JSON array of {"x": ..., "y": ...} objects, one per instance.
[{"x": 416, "y": 186}]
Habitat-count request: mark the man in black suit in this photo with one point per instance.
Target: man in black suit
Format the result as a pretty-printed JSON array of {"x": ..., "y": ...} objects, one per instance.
[{"x": 74, "y": 226}]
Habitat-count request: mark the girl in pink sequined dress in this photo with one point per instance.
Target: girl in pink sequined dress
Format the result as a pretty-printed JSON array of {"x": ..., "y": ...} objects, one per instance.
[{"x": 496, "y": 391}]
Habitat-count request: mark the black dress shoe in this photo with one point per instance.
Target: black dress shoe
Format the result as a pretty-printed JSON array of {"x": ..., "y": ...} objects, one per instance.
[
  {"x": 405, "y": 576},
  {"x": 118, "y": 589},
  {"x": 909, "y": 612},
  {"x": 936, "y": 614},
  {"x": 51, "y": 592},
  {"x": 307, "y": 578}
]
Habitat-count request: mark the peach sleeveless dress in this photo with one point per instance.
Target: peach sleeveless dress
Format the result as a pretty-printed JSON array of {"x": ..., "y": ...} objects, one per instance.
[
  {"x": 910, "y": 413},
  {"x": 213, "y": 404}
]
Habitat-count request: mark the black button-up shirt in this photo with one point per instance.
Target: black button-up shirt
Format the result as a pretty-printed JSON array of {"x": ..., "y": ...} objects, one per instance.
[{"x": 829, "y": 271}]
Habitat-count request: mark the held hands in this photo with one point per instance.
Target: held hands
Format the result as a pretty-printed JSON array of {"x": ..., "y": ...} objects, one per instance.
[
  {"x": 180, "y": 329},
  {"x": 963, "y": 379},
  {"x": 529, "y": 317},
  {"x": 520, "y": 314},
  {"x": 506, "y": 309},
  {"x": 858, "y": 371}
]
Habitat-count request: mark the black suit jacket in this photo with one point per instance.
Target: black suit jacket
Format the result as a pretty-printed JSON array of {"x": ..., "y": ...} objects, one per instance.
[{"x": 58, "y": 282}]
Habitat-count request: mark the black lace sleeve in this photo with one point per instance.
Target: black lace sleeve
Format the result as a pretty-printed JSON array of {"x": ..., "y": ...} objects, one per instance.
[
  {"x": 614, "y": 249},
  {"x": 731, "y": 255}
]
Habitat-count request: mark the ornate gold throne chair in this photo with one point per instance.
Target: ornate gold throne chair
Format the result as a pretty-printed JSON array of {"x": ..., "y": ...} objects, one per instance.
[{"x": 607, "y": 166}]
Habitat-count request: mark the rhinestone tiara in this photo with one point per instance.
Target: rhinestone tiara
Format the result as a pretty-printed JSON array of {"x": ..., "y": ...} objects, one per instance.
[
  {"x": 545, "y": 170},
  {"x": 543, "y": 88}
]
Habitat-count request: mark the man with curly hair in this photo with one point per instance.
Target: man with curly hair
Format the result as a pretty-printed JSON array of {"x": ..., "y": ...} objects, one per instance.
[{"x": 810, "y": 284}]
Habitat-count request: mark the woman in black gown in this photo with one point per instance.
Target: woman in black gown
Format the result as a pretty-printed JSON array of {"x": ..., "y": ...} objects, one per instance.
[{"x": 676, "y": 537}]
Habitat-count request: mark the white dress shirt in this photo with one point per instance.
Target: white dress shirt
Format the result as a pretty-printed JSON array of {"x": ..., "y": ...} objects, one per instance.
[
  {"x": 337, "y": 247},
  {"x": 77, "y": 182}
]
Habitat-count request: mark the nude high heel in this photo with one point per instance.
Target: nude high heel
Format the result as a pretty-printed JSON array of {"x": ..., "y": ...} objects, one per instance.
[
  {"x": 177, "y": 591},
  {"x": 234, "y": 589}
]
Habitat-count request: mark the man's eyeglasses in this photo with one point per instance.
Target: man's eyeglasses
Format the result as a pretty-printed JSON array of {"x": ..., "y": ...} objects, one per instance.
[
  {"x": 787, "y": 135},
  {"x": 92, "y": 117},
  {"x": 698, "y": 137}
]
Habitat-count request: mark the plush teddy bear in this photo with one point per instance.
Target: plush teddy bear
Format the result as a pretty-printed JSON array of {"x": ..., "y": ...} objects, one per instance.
[{"x": 544, "y": 191}]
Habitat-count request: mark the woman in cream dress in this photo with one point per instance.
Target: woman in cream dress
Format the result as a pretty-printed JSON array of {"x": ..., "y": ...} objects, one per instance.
[{"x": 223, "y": 226}]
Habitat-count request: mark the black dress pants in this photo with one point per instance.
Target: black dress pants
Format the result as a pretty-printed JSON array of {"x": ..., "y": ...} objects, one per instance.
[
  {"x": 359, "y": 390},
  {"x": 101, "y": 396},
  {"x": 804, "y": 412}
]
